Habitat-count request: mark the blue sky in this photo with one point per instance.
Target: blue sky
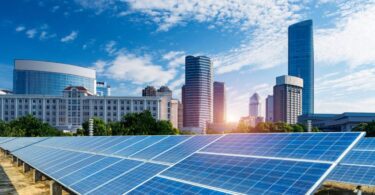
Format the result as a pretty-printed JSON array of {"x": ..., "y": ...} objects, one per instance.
[{"x": 134, "y": 43}]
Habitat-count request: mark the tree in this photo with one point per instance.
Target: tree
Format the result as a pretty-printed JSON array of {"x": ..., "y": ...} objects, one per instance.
[
  {"x": 369, "y": 128},
  {"x": 242, "y": 127},
  {"x": 100, "y": 128}
]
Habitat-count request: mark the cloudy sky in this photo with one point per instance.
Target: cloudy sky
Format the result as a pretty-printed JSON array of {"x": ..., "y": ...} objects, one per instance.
[{"x": 134, "y": 43}]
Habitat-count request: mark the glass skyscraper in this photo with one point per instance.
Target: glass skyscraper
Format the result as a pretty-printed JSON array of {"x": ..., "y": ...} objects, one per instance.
[
  {"x": 198, "y": 93},
  {"x": 301, "y": 60},
  {"x": 49, "y": 78}
]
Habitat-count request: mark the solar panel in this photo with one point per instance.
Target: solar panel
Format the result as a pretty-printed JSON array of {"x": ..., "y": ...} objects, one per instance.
[
  {"x": 359, "y": 175},
  {"x": 5, "y": 139},
  {"x": 21, "y": 142},
  {"x": 187, "y": 148},
  {"x": 160, "y": 147},
  {"x": 215, "y": 164},
  {"x": 317, "y": 146},
  {"x": 366, "y": 144},
  {"x": 129, "y": 180},
  {"x": 101, "y": 177},
  {"x": 159, "y": 185}
]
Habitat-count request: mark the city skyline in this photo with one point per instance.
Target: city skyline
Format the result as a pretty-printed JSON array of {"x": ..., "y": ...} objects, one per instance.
[{"x": 247, "y": 60}]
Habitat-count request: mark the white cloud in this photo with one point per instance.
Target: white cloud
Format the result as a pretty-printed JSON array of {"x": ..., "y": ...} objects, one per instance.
[
  {"x": 98, "y": 5},
  {"x": 351, "y": 41},
  {"x": 110, "y": 47},
  {"x": 137, "y": 69},
  {"x": 99, "y": 66},
  {"x": 175, "y": 58},
  {"x": 31, "y": 33},
  {"x": 71, "y": 37},
  {"x": 55, "y": 8},
  {"x": 20, "y": 28}
]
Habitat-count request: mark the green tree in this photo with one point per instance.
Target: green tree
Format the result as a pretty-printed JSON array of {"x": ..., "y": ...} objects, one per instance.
[
  {"x": 297, "y": 128},
  {"x": 242, "y": 127},
  {"x": 100, "y": 128},
  {"x": 164, "y": 127},
  {"x": 369, "y": 128},
  {"x": 29, "y": 126}
]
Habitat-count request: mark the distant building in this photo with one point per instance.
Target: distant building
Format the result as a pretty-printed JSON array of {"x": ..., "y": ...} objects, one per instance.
[
  {"x": 77, "y": 104},
  {"x": 287, "y": 99},
  {"x": 198, "y": 92},
  {"x": 219, "y": 99},
  {"x": 254, "y": 105},
  {"x": 164, "y": 91},
  {"x": 269, "y": 108},
  {"x": 180, "y": 115},
  {"x": 183, "y": 103},
  {"x": 301, "y": 60},
  {"x": 251, "y": 121},
  {"x": 149, "y": 91},
  {"x": 103, "y": 89},
  {"x": 50, "y": 78},
  {"x": 337, "y": 122}
]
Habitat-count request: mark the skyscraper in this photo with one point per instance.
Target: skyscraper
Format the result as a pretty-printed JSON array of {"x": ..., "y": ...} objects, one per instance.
[
  {"x": 254, "y": 105},
  {"x": 301, "y": 60},
  {"x": 287, "y": 99},
  {"x": 219, "y": 103},
  {"x": 103, "y": 89},
  {"x": 269, "y": 108},
  {"x": 198, "y": 93}
]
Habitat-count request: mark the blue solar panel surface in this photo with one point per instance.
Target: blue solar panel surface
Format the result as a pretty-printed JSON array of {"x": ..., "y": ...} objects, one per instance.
[
  {"x": 361, "y": 175},
  {"x": 317, "y": 146},
  {"x": 22, "y": 142},
  {"x": 249, "y": 175},
  {"x": 161, "y": 186},
  {"x": 366, "y": 144},
  {"x": 246, "y": 163},
  {"x": 129, "y": 180}
]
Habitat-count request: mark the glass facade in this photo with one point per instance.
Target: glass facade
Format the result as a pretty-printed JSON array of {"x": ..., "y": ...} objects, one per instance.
[
  {"x": 198, "y": 92},
  {"x": 103, "y": 89},
  {"x": 49, "y": 78},
  {"x": 301, "y": 60},
  {"x": 47, "y": 83}
]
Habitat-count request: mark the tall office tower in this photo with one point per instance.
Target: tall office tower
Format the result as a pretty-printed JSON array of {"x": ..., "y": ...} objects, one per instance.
[
  {"x": 219, "y": 103},
  {"x": 269, "y": 108},
  {"x": 301, "y": 60},
  {"x": 287, "y": 99},
  {"x": 149, "y": 91},
  {"x": 198, "y": 93},
  {"x": 254, "y": 105},
  {"x": 50, "y": 78},
  {"x": 103, "y": 89},
  {"x": 183, "y": 103}
]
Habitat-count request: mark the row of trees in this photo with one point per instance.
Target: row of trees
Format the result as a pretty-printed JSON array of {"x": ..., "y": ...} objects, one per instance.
[
  {"x": 131, "y": 124},
  {"x": 27, "y": 126},
  {"x": 368, "y": 127},
  {"x": 268, "y": 127}
]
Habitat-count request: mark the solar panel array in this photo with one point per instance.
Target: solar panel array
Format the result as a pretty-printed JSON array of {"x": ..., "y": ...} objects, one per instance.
[
  {"x": 358, "y": 167},
  {"x": 201, "y": 164}
]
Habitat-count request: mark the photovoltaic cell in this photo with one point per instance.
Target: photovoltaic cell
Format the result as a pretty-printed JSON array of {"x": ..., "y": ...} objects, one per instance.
[
  {"x": 19, "y": 143},
  {"x": 130, "y": 180},
  {"x": 249, "y": 175},
  {"x": 366, "y": 144},
  {"x": 161, "y": 186},
  {"x": 160, "y": 147},
  {"x": 185, "y": 149},
  {"x": 123, "y": 145},
  {"x": 358, "y": 157},
  {"x": 361, "y": 175},
  {"x": 87, "y": 171},
  {"x": 140, "y": 145},
  {"x": 104, "y": 175},
  {"x": 312, "y": 146},
  {"x": 5, "y": 139}
]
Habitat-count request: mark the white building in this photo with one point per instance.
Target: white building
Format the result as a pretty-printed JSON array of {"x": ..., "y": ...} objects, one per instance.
[
  {"x": 77, "y": 105},
  {"x": 254, "y": 105}
]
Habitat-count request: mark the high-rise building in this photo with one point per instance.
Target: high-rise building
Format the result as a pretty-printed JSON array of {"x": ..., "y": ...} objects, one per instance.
[
  {"x": 301, "y": 60},
  {"x": 49, "y": 78},
  {"x": 269, "y": 108},
  {"x": 198, "y": 93},
  {"x": 149, "y": 91},
  {"x": 287, "y": 99},
  {"x": 164, "y": 91},
  {"x": 219, "y": 107},
  {"x": 103, "y": 89},
  {"x": 254, "y": 105}
]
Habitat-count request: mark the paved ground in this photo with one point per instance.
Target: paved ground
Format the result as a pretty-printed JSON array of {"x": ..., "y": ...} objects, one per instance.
[{"x": 13, "y": 181}]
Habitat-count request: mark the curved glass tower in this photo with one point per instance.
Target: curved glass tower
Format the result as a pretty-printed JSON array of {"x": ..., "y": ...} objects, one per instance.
[
  {"x": 198, "y": 92},
  {"x": 301, "y": 60},
  {"x": 49, "y": 78}
]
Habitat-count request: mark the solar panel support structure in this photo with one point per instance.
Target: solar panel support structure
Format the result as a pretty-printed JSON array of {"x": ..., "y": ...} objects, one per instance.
[{"x": 91, "y": 127}]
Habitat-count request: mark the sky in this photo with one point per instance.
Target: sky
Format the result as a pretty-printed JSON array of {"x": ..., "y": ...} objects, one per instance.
[{"x": 135, "y": 43}]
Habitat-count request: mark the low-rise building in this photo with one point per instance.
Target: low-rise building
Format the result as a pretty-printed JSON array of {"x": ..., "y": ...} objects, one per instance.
[
  {"x": 336, "y": 122},
  {"x": 77, "y": 105}
]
